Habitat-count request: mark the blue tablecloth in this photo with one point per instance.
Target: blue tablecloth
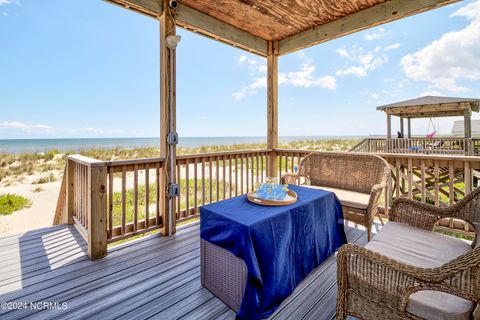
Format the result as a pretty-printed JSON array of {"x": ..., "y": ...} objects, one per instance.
[{"x": 280, "y": 245}]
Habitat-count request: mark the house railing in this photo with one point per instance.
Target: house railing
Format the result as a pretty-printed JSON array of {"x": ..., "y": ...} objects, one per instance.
[
  {"x": 110, "y": 201},
  {"x": 440, "y": 180},
  {"x": 440, "y": 145},
  {"x": 210, "y": 177}
]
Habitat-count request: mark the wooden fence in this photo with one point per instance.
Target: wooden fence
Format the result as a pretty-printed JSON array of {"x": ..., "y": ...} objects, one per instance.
[{"x": 115, "y": 200}]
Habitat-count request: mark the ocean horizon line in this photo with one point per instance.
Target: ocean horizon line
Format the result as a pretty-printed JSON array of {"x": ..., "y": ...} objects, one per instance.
[{"x": 37, "y": 145}]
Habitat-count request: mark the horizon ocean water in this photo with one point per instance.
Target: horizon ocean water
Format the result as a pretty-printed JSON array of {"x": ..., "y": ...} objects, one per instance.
[{"x": 78, "y": 144}]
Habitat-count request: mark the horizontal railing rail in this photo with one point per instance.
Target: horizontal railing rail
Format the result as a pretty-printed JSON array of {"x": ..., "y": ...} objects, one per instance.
[{"x": 439, "y": 145}]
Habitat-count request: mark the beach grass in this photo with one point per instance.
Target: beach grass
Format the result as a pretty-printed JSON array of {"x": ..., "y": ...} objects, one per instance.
[
  {"x": 38, "y": 189},
  {"x": 14, "y": 168},
  {"x": 10, "y": 203}
]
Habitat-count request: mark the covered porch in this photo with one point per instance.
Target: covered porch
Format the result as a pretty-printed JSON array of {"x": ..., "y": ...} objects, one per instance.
[{"x": 102, "y": 203}]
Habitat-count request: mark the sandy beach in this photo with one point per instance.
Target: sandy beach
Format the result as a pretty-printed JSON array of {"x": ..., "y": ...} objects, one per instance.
[{"x": 39, "y": 215}]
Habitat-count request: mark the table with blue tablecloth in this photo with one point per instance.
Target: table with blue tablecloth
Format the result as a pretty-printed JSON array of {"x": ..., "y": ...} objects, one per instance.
[{"x": 279, "y": 245}]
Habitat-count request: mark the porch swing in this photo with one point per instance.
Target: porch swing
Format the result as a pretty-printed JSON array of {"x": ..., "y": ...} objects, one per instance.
[{"x": 434, "y": 126}]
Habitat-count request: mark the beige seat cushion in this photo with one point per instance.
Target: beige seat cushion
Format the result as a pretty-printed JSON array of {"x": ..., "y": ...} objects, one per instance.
[
  {"x": 348, "y": 198},
  {"x": 424, "y": 249}
]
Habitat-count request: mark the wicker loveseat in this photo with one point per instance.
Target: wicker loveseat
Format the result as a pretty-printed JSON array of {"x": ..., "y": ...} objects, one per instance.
[
  {"x": 356, "y": 178},
  {"x": 410, "y": 272}
]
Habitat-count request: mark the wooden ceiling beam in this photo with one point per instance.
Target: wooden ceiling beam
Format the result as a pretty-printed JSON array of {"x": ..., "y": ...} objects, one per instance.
[
  {"x": 361, "y": 20},
  {"x": 151, "y": 8},
  {"x": 200, "y": 23},
  {"x": 210, "y": 27}
]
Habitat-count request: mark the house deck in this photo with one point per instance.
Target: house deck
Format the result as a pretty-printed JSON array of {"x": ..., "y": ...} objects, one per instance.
[{"x": 153, "y": 277}]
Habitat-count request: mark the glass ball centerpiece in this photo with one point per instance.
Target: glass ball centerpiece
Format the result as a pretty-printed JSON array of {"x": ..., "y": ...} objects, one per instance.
[{"x": 271, "y": 190}]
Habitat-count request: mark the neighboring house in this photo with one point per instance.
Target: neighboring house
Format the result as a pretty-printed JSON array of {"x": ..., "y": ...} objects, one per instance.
[{"x": 457, "y": 128}]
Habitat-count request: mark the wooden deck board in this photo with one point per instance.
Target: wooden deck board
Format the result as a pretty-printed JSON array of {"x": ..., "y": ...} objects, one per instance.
[{"x": 155, "y": 277}]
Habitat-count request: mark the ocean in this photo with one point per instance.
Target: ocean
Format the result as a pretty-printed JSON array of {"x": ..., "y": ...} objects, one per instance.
[{"x": 75, "y": 145}]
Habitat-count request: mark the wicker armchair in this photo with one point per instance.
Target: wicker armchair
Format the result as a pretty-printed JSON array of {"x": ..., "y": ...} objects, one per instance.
[
  {"x": 356, "y": 178},
  {"x": 376, "y": 282}
]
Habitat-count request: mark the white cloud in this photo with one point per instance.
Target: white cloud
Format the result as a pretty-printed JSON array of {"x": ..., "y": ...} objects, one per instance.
[
  {"x": 379, "y": 33},
  {"x": 451, "y": 58},
  {"x": 375, "y": 96},
  {"x": 392, "y": 46},
  {"x": 15, "y": 125},
  {"x": 343, "y": 52},
  {"x": 363, "y": 62},
  {"x": 303, "y": 77},
  {"x": 358, "y": 71},
  {"x": 3, "y": 6},
  {"x": 242, "y": 58},
  {"x": 239, "y": 95}
]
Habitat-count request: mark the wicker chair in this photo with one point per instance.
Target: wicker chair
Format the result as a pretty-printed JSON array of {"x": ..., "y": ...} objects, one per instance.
[
  {"x": 356, "y": 178},
  {"x": 410, "y": 272}
]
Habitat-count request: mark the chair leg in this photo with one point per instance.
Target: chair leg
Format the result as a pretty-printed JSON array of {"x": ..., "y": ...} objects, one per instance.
[
  {"x": 380, "y": 217},
  {"x": 369, "y": 232}
]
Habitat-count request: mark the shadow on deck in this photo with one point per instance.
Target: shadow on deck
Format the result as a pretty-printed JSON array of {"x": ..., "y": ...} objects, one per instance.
[{"x": 152, "y": 277}]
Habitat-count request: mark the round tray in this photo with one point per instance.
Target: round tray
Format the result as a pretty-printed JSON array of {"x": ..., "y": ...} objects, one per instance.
[{"x": 289, "y": 199}]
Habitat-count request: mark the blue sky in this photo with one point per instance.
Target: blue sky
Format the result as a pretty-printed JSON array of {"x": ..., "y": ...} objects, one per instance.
[{"x": 85, "y": 68}]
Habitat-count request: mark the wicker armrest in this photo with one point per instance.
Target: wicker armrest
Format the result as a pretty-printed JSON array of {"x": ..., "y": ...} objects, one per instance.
[
  {"x": 373, "y": 201},
  {"x": 290, "y": 178},
  {"x": 361, "y": 269},
  {"x": 416, "y": 214}
]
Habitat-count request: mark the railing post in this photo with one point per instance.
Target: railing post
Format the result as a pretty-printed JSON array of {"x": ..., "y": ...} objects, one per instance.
[
  {"x": 69, "y": 200},
  {"x": 97, "y": 212}
]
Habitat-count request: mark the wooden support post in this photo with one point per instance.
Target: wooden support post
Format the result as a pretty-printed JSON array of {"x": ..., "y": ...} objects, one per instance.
[
  {"x": 167, "y": 76},
  {"x": 272, "y": 105},
  {"x": 70, "y": 172},
  {"x": 467, "y": 117},
  {"x": 402, "y": 130},
  {"x": 409, "y": 127},
  {"x": 389, "y": 126},
  {"x": 97, "y": 212},
  {"x": 467, "y": 127}
]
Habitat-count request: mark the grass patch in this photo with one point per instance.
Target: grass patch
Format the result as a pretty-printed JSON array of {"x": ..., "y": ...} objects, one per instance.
[
  {"x": 457, "y": 235},
  {"x": 38, "y": 189},
  {"x": 45, "y": 179},
  {"x": 10, "y": 203}
]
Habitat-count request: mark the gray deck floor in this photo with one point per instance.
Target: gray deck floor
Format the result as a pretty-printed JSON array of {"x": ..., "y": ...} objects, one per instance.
[{"x": 154, "y": 277}]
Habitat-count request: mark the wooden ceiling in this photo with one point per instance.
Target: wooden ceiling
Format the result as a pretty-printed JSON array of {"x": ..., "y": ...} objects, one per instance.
[
  {"x": 276, "y": 20},
  {"x": 288, "y": 25}
]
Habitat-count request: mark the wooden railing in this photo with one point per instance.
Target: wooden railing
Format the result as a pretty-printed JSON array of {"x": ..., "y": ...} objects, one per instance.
[
  {"x": 439, "y": 180},
  {"x": 441, "y": 145},
  {"x": 83, "y": 202},
  {"x": 115, "y": 200},
  {"x": 210, "y": 177},
  {"x": 134, "y": 189}
]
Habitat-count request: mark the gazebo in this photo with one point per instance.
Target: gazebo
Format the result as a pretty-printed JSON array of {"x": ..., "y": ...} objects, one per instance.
[{"x": 430, "y": 107}]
